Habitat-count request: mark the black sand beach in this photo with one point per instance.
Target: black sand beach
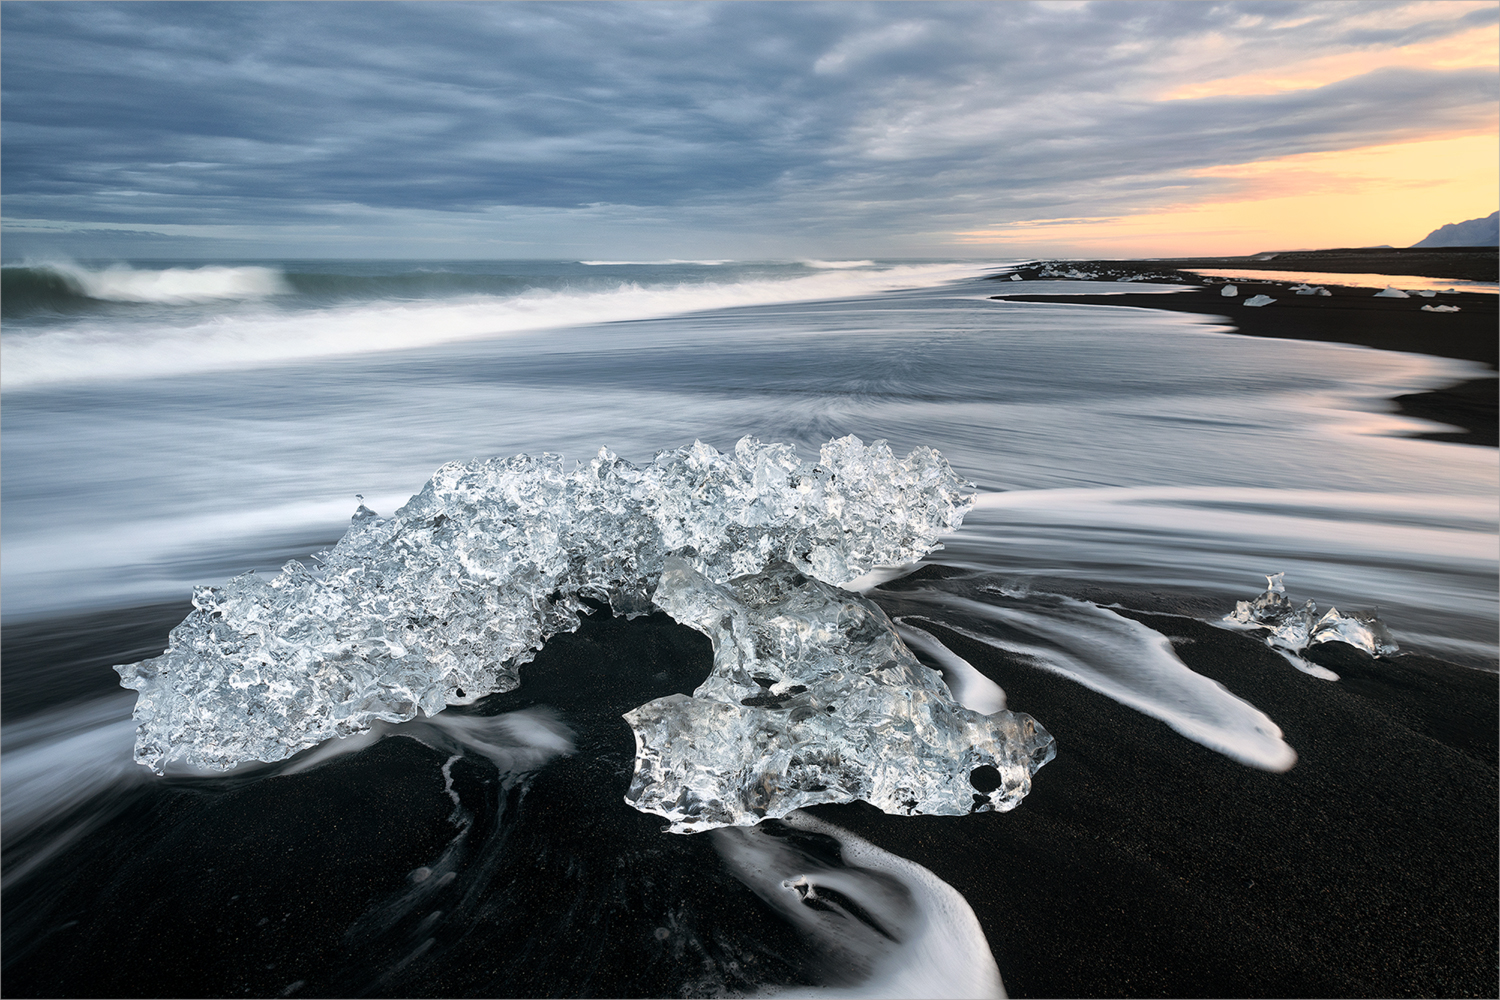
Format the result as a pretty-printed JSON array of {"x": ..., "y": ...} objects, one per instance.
[
  {"x": 1350, "y": 315},
  {"x": 1146, "y": 865},
  {"x": 1141, "y": 864}
]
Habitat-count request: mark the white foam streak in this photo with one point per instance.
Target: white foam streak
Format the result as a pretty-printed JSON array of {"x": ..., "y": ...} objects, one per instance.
[
  {"x": 122, "y": 562},
  {"x": 174, "y": 285},
  {"x": 55, "y": 760},
  {"x": 111, "y": 351},
  {"x": 515, "y": 742},
  {"x": 1133, "y": 665},
  {"x": 916, "y": 935},
  {"x": 972, "y": 689},
  {"x": 653, "y": 263},
  {"x": 1428, "y": 559},
  {"x": 1309, "y": 517}
]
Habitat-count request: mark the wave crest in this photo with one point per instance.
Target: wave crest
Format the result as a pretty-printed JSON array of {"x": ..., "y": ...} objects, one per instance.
[{"x": 168, "y": 286}]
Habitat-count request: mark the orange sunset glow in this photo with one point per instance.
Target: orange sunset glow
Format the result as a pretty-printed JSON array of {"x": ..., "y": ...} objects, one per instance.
[
  {"x": 1361, "y": 197},
  {"x": 1368, "y": 196}
]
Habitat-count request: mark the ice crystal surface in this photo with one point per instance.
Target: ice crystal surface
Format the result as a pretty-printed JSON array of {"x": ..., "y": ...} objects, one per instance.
[
  {"x": 814, "y": 698},
  {"x": 441, "y": 603},
  {"x": 1295, "y": 627}
]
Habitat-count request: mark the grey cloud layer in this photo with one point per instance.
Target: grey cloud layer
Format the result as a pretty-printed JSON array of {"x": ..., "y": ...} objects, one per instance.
[{"x": 815, "y": 115}]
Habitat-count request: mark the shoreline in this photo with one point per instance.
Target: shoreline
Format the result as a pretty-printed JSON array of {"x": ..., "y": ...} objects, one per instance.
[
  {"x": 1140, "y": 864},
  {"x": 1352, "y": 314},
  {"x": 1145, "y": 864}
]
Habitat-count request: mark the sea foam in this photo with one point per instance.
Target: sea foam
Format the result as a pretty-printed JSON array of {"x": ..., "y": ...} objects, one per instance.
[
  {"x": 173, "y": 285},
  {"x": 116, "y": 348}
]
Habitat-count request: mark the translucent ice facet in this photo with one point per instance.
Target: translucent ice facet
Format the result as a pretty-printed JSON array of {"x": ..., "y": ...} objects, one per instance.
[
  {"x": 1293, "y": 628},
  {"x": 441, "y": 603},
  {"x": 1362, "y": 630},
  {"x": 814, "y": 698}
]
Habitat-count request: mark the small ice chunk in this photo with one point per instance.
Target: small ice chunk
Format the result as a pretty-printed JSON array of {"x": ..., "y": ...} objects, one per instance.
[
  {"x": 1324, "y": 292},
  {"x": 1293, "y": 629},
  {"x": 1440, "y": 309},
  {"x": 1426, "y": 293},
  {"x": 814, "y": 698},
  {"x": 1361, "y": 630},
  {"x": 1015, "y": 277},
  {"x": 1306, "y": 289},
  {"x": 1259, "y": 300},
  {"x": 1391, "y": 293},
  {"x": 1229, "y": 291}
]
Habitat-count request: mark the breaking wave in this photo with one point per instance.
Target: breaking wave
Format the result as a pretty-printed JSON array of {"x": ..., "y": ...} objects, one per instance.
[
  {"x": 346, "y": 316},
  {"x": 67, "y": 287}
]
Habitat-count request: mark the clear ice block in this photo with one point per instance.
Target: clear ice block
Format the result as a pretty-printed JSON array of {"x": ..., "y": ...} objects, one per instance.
[
  {"x": 1294, "y": 627},
  {"x": 443, "y": 602},
  {"x": 814, "y": 698}
]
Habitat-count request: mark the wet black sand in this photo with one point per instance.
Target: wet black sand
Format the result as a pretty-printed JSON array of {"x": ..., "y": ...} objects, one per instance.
[
  {"x": 1141, "y": 864},
  {"x": 1145, "y": 865},
  {"x": 1351, "y": 315}
]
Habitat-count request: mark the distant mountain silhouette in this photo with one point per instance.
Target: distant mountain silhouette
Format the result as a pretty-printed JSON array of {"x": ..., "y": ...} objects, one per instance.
[{"x": 1483, "y": 232}]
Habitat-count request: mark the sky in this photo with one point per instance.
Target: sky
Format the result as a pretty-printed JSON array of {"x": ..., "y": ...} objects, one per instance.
[{"x": 742, "y": 129}]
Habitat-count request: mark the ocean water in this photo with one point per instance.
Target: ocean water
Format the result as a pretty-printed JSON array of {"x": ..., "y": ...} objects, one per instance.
[{"x": 172, "y": 424}]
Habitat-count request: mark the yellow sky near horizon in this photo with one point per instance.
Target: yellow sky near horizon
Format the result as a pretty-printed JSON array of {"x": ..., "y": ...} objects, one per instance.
[
  {"x": 1394, "y": 194},
  {"x": 1390, "y": 194}
]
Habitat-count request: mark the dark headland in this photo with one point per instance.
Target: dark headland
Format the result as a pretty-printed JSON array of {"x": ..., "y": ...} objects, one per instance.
[{"x": 1351, "y": 314}]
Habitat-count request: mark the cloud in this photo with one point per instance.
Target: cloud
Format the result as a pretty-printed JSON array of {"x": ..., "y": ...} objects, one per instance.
[{"x": 813, "y": 121}]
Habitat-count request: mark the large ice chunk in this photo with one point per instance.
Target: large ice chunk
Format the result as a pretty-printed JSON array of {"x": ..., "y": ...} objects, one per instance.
[
  {"x": 814, "y": 698},
  {"x": 441, "y": 603}
]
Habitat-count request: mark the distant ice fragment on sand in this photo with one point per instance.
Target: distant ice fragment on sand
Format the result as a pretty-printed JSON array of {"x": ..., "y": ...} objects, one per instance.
[
  {"x": 1306, "y": 289},
  {"x": 1229, "y": 291},
  {"x": 1391, "y": 293},
  {"x": 443, "y": 602},
  {"x": 814, "y": 698},
  {"x": 1259, "y": 300},
  {"x": 1440, "y": 309},
  {"x": 1293, "y": 628}
]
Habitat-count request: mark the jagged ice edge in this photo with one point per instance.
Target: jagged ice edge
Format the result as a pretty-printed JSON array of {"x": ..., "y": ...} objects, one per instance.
[{"x": 443, "y": 602}]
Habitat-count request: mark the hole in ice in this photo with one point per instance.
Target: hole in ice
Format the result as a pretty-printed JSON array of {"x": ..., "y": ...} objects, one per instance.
[{"x": 986, "y": 778}]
